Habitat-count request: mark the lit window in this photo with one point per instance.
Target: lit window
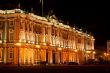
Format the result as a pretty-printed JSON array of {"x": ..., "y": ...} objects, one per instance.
[
  {"x": 46, "y": 38},
  {"x": 11, "y": 35},
  {"x": 53, "y": 40},
  {"x": 37, "y": 38},
  {"x": 10, "y": 52}
]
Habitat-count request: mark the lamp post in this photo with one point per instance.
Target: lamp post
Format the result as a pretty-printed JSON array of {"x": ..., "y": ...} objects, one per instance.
[
  {"x": 87, "y": 54},
  {"x": 94, "y": 54},
  {"x": 60, "y": 53},
  {"x": 106, "y": 56},
  {"x": 18, "y": 44}
]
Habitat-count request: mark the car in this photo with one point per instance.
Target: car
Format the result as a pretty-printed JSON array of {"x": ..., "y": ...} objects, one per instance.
[{"x": 72, "y": 63}]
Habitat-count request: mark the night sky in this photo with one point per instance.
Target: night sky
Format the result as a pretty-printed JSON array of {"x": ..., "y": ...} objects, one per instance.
[{"x": 89, "y": 18}]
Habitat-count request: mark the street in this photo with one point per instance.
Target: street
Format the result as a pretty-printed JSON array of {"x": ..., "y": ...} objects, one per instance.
[{"x": 56, "y": 69}]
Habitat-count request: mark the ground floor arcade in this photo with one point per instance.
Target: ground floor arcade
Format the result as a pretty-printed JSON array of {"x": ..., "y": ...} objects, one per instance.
[{"x": 30, "y": 54}]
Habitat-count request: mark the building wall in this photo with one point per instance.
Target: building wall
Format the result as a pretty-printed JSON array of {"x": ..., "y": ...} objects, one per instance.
[{"x": 40, "y": 41}]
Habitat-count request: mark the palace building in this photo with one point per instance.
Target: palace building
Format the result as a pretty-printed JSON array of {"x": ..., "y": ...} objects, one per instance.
[{"x": 26, "y": 38}]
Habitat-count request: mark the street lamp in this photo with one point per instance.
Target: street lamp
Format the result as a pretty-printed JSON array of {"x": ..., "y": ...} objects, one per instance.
[
  {"x": 94, "y": 52},
  {"x": 59, "y": 49},
  {"x": 37, "y": 46},
  {"x": 106, "y": 55},
  {"x": 60, "y": 53},
  {"x": 18, "y": 44},
  {"x": 87, "y": 54}
]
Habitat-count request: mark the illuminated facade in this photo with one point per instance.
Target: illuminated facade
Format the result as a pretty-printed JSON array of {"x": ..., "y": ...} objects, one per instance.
[
  {"x": 107, "y": 54},
  {"x": 26, "y": 38}
]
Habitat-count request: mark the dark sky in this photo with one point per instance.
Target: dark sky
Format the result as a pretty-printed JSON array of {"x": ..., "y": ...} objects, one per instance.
[{"x": 92, "y": 19}]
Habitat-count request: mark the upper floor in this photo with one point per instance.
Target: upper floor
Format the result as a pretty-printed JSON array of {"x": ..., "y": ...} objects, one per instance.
[{"x": 34, "y": 29}]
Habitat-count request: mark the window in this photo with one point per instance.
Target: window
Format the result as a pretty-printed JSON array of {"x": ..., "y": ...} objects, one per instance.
[
  {"x": 65, "y": 35},
  {"x": 21, "y": 26},
  {"x": 33, "y": 28},
  {"x": 53, "y": 40},
  {"x": 11, "y": 35},
  {"x": 55, "y": 33},
  {"x": 11, "y": 55},
  {"x": 11, "y": 23},
  {"x": 22, "y": 35},
  {"x": 11, "y": 52},
  {"x": 37, "y": 39},
  {"x": 52, "y": 31},
  {"x": 46, "y": 38},
  {"x": 38, "y": 29},
  {"x": 79, "y": 40},
  {"x": 46, "y": 30},
  {"x": 26, "y": 28},
  {"x": 88, "y": 42},
  {"x": 30, "y": 26}
]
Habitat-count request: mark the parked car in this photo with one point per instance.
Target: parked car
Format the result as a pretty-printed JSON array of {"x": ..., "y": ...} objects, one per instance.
[{"x": 72, "y": 63}]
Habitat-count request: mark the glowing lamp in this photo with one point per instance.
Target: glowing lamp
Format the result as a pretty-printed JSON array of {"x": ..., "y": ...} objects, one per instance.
[
  {"x": 76, "y": 50},
  {"x": 37, "y": 46},
  {"x": 94, "y": 52},
  {"x": 59, "y": 48},
  {"x": 18, "y": 44},
  {"x": 88, "y": 51}
]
